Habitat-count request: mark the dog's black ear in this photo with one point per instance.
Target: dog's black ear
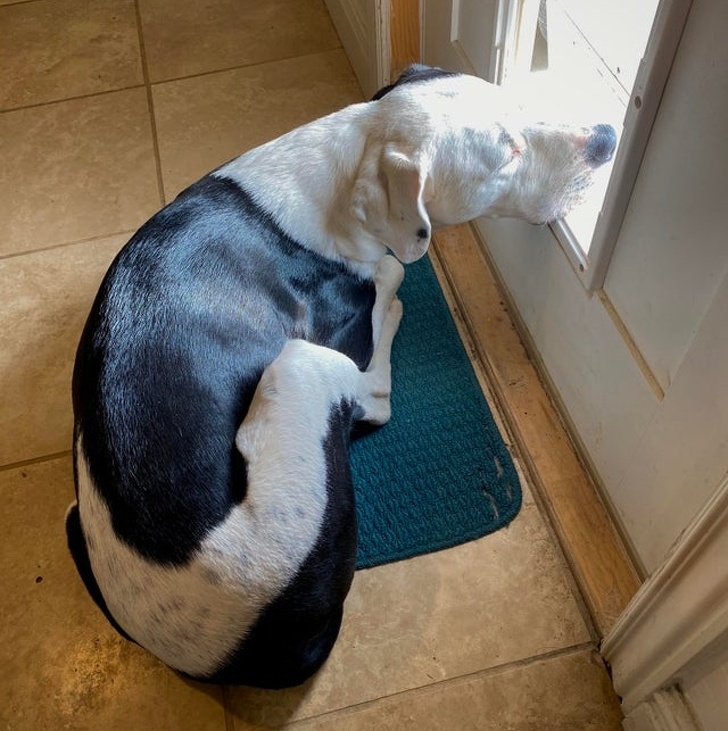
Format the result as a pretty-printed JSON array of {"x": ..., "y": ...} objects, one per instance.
[
  {"x": 415, "y": 72},
  {"x": 384, "y": 90}
]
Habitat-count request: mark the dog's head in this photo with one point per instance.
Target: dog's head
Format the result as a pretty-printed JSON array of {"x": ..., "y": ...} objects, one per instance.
[{"x": 447, "y": 148}]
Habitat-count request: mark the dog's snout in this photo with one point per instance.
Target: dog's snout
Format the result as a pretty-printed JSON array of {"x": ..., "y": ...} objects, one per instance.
[{"x": 601, "y": 145}]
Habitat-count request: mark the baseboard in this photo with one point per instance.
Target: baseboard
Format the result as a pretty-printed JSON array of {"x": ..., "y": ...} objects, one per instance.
[
  {"x": 666, "y": 710},
  {"x": 679, "y": 614}
]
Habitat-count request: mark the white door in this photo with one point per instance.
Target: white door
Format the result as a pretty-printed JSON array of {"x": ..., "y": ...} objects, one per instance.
[{"x": 641, "y": 364}]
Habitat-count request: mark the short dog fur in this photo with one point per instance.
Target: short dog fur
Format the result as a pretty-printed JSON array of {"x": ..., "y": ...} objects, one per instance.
[{"x": 237, "y": 338}]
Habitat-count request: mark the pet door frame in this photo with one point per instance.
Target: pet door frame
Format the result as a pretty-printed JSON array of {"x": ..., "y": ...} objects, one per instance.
[{"x": 512, "y": 46}]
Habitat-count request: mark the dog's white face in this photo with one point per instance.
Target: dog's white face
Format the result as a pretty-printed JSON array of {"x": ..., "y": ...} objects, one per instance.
[{"x": 457, "y": 148}]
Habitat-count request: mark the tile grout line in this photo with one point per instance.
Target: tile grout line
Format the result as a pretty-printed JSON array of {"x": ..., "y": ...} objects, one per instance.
[
  {"x": 72, "y": 98},
  {"x": 147, "y": 82},
  {"x": 35, "y": 460},
  {"x": 444, "y": 684},
  {"x": 18, "y": 2},
  {"x": 240, "y": 66},
  {"x": 150, "y": 103},
  {"x": 65, "y": 244}
]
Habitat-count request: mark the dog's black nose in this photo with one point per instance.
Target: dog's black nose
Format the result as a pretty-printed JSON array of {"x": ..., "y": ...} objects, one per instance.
[{"x": 601, "y": 145}]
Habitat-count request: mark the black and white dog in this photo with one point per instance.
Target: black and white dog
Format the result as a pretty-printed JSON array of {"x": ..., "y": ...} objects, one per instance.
[{"x": 237, "y": 338}]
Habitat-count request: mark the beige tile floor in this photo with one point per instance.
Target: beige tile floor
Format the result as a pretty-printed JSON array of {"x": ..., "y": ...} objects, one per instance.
[{"x": 107, "y": 109}]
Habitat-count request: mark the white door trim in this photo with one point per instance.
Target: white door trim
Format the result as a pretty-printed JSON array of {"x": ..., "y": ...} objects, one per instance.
[
  {"x": 678, "y": 613},
  {"x": 648, "y": 89},
  {"x": 365, "y": 35}
]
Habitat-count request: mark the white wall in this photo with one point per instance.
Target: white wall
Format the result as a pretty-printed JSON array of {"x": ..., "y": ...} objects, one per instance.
[{"x": 708, "y": 697}]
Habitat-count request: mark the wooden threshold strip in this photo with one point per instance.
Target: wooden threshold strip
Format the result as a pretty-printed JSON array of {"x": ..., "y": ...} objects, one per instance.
[{"x": 592, "y": 546}]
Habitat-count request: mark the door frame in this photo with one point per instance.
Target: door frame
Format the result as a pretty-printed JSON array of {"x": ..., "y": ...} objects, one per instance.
[
  {"x": 380, "y": 43},
  {"x": 364, "y": 32}
]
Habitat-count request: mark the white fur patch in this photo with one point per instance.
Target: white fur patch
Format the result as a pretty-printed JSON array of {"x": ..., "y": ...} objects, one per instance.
[
  {"x": 427, "y": 154},
  {"x": 190, "y": 617}
]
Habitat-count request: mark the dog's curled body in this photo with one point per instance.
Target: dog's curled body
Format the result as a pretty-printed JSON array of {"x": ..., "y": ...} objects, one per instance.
[
  {"x": 211, "y": 289},
  {"x": 192, "y": 301},
  {"x": 214, "y": 522}
]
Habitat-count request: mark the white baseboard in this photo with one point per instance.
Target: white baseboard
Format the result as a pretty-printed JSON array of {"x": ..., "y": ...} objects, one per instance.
[
  {"x": 665, "y": 710},
  {"x": 678, "y": 614}
]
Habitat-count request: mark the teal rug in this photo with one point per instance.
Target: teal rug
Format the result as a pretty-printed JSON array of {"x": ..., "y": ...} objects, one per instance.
[{"x": 438, "y": 474}]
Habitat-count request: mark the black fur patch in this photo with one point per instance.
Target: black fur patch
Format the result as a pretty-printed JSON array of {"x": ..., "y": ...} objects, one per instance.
[{"x": 412, "y": 74}]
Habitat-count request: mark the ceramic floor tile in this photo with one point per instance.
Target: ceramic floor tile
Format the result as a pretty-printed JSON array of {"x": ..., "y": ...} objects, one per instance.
[
  {"x": 205, "y": 121},
  {"x": 61, "y": 664},
  {"x": 493, "y": 601},
  {"x": 571, "y": 692},
  {"x": 183, "y": 39},
  {"x": 51, "y": 50},
  {"x": 75, "y": 170},
  {"x": 46, "y": 298}
]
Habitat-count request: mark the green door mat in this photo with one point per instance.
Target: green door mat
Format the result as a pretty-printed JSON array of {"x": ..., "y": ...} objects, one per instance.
[{"x": 438, "y": 474}]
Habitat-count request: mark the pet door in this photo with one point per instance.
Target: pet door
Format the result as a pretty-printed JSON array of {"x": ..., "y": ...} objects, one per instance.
[{"x": 583, "y": 60}]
